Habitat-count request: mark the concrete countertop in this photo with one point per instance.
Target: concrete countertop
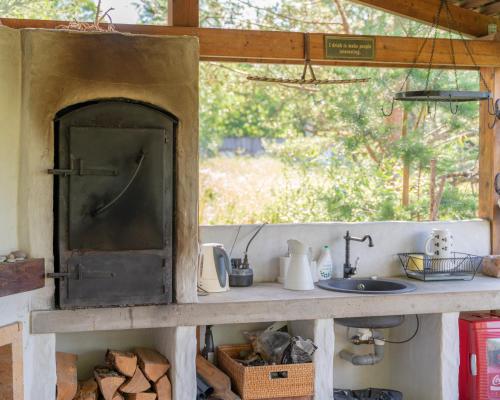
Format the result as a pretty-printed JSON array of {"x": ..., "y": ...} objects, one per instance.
[{"x": 265, "y": 302}]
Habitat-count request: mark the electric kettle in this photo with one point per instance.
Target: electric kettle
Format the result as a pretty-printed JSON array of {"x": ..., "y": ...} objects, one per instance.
[{"x": 214, "y": 268}]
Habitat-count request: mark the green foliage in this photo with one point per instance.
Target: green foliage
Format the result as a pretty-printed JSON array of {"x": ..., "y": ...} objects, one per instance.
[
  {"x": 152, "y": 11},
  {"x": 82, "y": 10}
]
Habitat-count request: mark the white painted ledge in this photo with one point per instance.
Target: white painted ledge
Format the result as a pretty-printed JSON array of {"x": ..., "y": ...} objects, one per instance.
[{"x": 270, "y": 302}]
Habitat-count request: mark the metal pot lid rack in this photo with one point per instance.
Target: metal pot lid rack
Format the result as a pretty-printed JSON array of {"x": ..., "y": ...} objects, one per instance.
[
  {"x": 441, "y": 95},
  {"x": 432, "y": 95},
  {"x": 304, "y": 80}
]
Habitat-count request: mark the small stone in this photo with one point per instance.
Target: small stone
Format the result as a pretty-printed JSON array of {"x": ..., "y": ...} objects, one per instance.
[{"x": 20, "y": 255}]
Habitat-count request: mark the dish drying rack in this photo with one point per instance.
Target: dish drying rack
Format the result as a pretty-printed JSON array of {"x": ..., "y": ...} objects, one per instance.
[{"x": 461, "y": 266}]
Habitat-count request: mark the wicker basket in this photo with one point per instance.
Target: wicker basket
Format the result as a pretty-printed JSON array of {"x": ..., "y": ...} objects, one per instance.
[{"x": 266, "y": 382}]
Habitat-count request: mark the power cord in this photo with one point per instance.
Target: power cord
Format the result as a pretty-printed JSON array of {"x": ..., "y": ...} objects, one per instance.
[
  {"x": 406, "y": 340},
  {"x": 234, "y": 242}
]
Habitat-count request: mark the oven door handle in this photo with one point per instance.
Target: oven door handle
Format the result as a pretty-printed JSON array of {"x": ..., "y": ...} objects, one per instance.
[
  {"x": 101, "y": 209},
  {"x": 80, "y": 274},
  {"x": 81, "y": 171}
]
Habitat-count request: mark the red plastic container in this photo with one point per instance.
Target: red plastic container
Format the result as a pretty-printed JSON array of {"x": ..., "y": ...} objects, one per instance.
[{"x": 479, "y": 374}]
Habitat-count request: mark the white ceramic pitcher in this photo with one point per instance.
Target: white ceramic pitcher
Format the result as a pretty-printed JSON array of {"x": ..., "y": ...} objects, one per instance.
[{"x": 298, "y": 276}]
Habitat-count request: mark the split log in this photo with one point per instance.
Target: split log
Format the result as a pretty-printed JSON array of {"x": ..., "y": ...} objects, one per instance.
[
  {"x": 218, "y": 380},
  {"x": 141, "y": 396},
  {"x": 137, "y": 384},
  {"x": 153, "y": 364},
  {"x": 87, "y": 390},
  {"x": 109, "y": 381},
  {"x": 67, "y": 380},
  {"x": 118, "y": 396},
  {"x": 124, "y": 362},
  {"x": 163, "y": 388}
]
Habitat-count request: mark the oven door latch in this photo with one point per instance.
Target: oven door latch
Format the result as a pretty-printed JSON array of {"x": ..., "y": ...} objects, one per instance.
[
  {"x": 80, "y": 274},
  {"x": 81, "y": 171}
]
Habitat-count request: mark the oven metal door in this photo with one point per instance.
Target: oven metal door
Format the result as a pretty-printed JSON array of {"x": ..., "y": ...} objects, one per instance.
[{"x": 114, "y": 202}]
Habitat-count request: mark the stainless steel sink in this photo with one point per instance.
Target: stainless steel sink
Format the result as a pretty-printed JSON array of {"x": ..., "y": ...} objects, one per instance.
[{"x": 367, "y": 286}]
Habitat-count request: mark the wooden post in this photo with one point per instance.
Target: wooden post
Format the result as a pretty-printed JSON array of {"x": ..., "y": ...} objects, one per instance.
[
  {"x": 183, "y": 13},
  {"x": 489, "y": 159}
]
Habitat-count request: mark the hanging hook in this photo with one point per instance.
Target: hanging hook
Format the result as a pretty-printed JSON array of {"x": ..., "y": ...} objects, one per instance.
[
  {"x": 496, "y": 113},
  {"x": 429, "y": 108},
  {"x": 390, "y": 112},
  {"x": 454, "y": 111}
]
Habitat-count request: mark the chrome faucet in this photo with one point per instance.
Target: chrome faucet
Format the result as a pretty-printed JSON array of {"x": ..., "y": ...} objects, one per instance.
[{"x": 348, "y": 269}]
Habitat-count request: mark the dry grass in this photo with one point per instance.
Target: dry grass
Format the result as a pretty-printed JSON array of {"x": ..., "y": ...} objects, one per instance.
[{"x": 237, "y": 189}]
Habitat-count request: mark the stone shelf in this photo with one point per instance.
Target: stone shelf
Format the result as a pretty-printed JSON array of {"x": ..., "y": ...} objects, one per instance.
[{"x": 270, "y": 302}]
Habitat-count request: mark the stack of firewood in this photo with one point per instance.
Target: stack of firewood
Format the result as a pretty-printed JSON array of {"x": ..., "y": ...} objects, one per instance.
[{"x": 138, "y": 375}]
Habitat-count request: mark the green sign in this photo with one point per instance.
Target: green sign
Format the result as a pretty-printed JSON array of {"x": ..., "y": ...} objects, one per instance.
[{"x": 349, "y": 48}]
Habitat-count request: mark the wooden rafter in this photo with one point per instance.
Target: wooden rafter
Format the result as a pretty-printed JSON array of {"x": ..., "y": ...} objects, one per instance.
[
  {"x": 487, "y": 7},
  {"x": 183, "y": 13},
  {"x": 491, "y": 9},
  {"x": 465, "y": 21},
  {"x": 231, "y": 45}
]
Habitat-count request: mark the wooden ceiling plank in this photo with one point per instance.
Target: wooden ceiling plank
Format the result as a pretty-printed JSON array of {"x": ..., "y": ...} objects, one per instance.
[
  {"x": 472, "y": 4},
  {"x": 491, "y": 9},
  {"x": 183, "y": 13},
  {"x": 233, "y": 45},
  {"x": 465, "y": 21}
]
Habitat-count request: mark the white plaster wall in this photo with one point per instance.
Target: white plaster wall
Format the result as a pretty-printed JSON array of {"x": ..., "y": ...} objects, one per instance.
[
  {"x": 427, "y": 366},
  {"x": 39, "y": 365},
  {"x": 389, "y": 238}
]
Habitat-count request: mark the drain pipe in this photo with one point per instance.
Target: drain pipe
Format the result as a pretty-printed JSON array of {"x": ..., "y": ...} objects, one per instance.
[{"x": 366, "y": 359}]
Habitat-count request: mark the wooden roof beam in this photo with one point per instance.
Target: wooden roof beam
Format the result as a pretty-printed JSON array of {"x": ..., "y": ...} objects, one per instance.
[
  {"x": 253, "y": 46},
  {"x": 465, "y": 21}
]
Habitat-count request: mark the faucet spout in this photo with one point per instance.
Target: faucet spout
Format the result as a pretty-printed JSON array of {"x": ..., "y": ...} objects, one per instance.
[
  {"x": 369, "y": 238},
  {"x": 348, "y": 269}
]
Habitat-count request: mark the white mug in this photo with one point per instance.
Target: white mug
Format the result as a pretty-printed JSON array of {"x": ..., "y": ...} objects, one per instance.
[{"x": 439, "y": 243}]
